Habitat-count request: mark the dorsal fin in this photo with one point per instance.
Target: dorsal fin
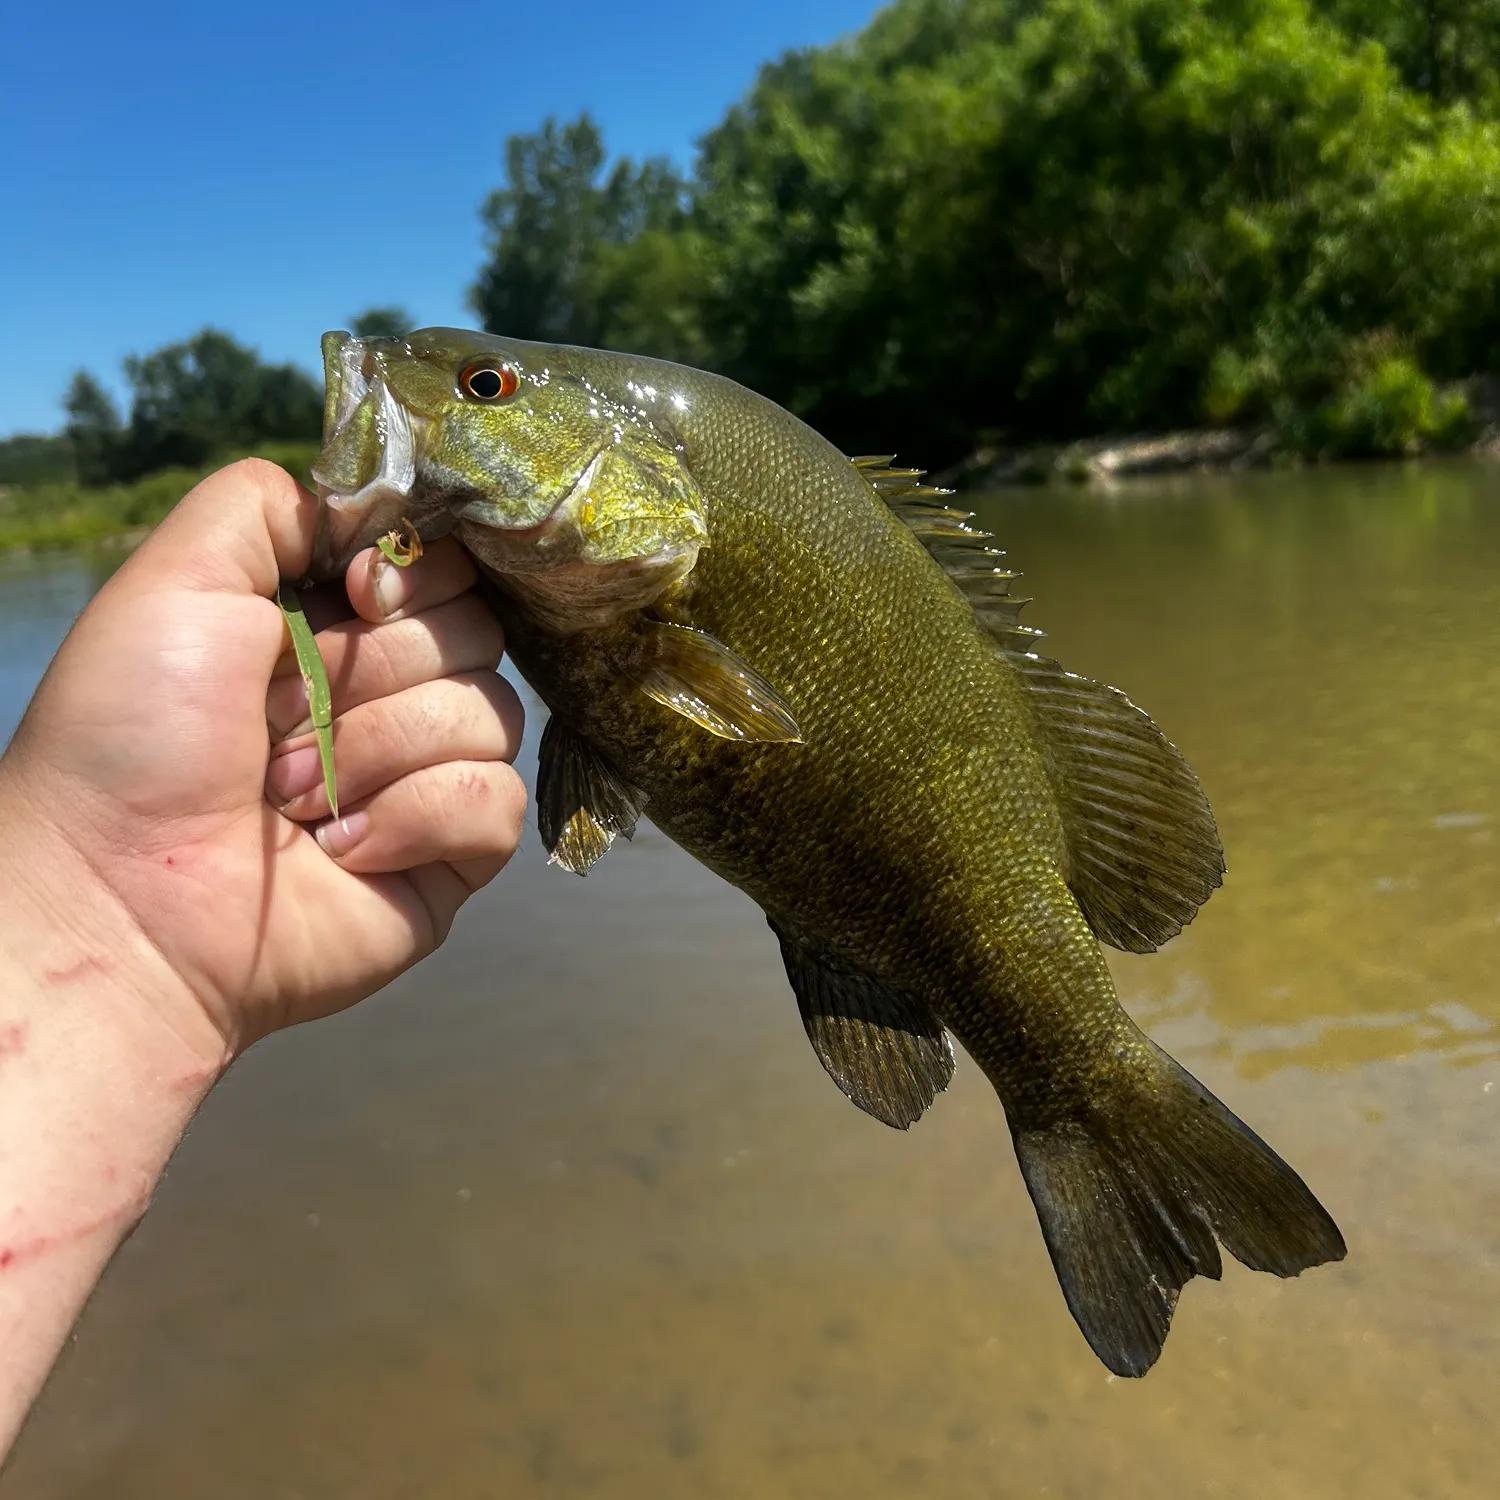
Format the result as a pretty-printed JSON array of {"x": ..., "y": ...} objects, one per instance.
[
  {"x": 1143, "y": 849},
  {"x": 959, "y": 547}
]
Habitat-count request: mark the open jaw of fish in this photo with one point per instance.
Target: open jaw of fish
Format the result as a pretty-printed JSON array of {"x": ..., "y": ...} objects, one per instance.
[{"x": 360, "y": 502}]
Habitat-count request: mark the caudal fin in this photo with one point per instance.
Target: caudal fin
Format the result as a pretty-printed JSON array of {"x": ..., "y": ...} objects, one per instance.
[{"x": 1132, "y": 1196}]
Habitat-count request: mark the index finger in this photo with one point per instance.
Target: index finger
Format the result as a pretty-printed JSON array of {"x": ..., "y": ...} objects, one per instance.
[{"x": 240, "y": 531}]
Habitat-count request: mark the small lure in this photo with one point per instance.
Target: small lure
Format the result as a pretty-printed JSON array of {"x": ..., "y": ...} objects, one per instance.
[{"x": 401, "y": 546}]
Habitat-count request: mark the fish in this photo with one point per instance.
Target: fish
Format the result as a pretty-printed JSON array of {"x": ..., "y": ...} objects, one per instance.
[{"x": 811, "y": 672}]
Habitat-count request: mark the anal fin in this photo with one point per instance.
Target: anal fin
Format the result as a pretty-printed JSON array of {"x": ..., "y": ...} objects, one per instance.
[
  {"x": 582, "y": 802},
  {"x": 887, "y": 1051}
]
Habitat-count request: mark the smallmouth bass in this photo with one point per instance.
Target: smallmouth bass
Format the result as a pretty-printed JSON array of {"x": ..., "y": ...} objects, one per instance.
[{"x": 811, "y": 673}]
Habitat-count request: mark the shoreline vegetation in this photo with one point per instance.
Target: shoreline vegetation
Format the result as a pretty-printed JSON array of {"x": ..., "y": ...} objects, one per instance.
[
  {"x": 977, "y": 233},
  {"x": 65, "y": 514}
]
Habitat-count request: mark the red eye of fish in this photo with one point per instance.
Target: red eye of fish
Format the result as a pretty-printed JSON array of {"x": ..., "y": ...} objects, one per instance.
[{"x": 486, "y": 382}]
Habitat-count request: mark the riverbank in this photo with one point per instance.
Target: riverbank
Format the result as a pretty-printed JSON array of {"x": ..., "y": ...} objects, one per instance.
[
  {"x": 1107, "y": 460},
  {"x": 36, "y": 518},
  {"x": 1103, "y": 460},
  {"x": 63, "y": 514}
]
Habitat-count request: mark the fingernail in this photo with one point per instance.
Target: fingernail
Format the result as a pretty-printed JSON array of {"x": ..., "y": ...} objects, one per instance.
[
  {"x": 293, "y": 774},
  {"x": 393, "y": 587},
  {"x": 342, "y": 834}
]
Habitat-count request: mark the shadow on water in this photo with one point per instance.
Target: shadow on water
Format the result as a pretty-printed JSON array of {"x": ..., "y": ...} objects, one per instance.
[{"x": 572, "y": 1210}]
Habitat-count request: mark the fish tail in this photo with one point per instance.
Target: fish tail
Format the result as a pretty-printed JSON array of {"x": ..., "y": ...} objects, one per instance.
[{"x": 1132, "y": 1195}]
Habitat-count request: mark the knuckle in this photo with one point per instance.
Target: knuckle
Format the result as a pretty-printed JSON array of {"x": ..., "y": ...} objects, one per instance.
[{"x": 475, "y": 630}]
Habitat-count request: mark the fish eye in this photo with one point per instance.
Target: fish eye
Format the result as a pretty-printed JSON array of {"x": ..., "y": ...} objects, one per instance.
[{"x": 487, "y": 382}]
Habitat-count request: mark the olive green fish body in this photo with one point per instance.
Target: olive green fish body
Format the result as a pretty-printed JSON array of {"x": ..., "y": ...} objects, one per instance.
[
  {"x": 913, "y": 829},
  {"x": 808, "y": 671}
]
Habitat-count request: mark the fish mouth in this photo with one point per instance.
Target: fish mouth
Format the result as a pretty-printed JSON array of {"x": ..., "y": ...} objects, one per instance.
[{"x": 366, "y": 470}]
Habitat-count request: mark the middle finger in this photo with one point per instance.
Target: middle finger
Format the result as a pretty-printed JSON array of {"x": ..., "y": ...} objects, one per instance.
[
  {"x": 471, "y": 716},
  {"x": 365, "y": 661}
]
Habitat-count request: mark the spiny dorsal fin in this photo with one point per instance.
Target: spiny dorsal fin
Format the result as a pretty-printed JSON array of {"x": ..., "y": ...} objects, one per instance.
[
  {"x": 958, "y": 546},
  {"x": 582, "y": 802},
  {"x": 1143, "y": 850},
  {"x": 888, "y": 1052}
]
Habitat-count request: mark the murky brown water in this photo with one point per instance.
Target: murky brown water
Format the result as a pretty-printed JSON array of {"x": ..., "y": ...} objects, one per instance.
[{"x": 573, "y": 1210}]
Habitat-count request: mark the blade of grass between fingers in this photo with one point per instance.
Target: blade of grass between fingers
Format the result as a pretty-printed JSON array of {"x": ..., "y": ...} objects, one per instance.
[{"x": 315, "y": 677}]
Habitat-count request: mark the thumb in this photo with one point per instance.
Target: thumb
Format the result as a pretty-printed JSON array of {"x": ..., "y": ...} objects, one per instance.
[{"x": 239, "y": 531}]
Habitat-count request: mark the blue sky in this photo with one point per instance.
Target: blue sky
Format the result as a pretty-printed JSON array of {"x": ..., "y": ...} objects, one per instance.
[{"x": 272, "y": 168}]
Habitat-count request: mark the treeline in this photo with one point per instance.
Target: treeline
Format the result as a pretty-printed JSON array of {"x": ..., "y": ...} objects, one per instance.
[
  {"x": 984, "y": 221},
  {"x": 1045, "y": 218},
  {"x": 205, "y": 398}
]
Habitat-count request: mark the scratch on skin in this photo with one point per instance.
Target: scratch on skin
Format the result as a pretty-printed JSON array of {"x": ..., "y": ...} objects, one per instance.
[
  {"x": 75, "y": 972},
  {"x": 126, "y": 1214}
]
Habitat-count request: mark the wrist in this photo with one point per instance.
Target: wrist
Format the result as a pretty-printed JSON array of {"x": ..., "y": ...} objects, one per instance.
[
  {"x": 75, "y": 958},
  {"x": 102, "y": 1065}
]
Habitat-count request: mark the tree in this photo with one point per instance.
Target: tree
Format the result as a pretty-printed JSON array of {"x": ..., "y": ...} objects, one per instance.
[
  {"x": 1446, "y": 49},
  {"x": 210, "y": 395},
  {"x": 1048, "y": 217},
  {"x": 565, "y": 235},
  {"x": 36, "y": 458},
  {"x": 93, "y": 429},
  {"x": 381, "y": 323}
]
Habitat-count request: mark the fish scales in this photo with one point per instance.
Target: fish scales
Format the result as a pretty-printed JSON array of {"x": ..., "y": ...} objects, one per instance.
[{"x": 738, "y": 631}]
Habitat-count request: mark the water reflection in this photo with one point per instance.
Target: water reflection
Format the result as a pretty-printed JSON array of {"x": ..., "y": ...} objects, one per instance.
[
  {"x": 40, "y": 597},
  {"x": 573, "y": 1210},
  {"x": 1326, "y": 649}
]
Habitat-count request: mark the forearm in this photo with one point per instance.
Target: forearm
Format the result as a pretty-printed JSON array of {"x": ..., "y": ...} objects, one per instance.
[{"x": 97, "y": 1083}]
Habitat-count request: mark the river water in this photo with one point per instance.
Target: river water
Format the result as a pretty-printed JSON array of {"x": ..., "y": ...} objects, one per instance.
[{"x": 572, "y": 1210}]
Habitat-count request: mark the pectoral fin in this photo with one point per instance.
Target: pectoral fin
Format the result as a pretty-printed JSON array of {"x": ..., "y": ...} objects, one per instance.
[
  {"x": 582, "y": 802},
  {"x": 700, "y": 678},
  {"x": 887, "y": 1051}
]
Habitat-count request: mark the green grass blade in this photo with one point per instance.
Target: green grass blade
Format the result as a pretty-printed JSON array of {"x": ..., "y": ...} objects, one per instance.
[{"x": 315, "y": 676}]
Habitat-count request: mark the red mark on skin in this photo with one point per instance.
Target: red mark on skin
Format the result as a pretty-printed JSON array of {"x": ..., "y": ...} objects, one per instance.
[
  {"x": 169, "y": 861},
  {"x": 122, "y": 1217},
  {"x": 77, "y": 971},
  {"x": 13, "y": 1038}
]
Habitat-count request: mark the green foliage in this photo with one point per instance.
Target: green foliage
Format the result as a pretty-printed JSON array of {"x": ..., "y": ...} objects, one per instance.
[
  {"x": 1447, "y": 49},
  {"x": 190, "y": 402},
  {"x": 577, "y": 252},
  {"x": 1388, "y": 408},
  {"x": 209, "y": 395},
  {"x": 36, "y": 458},
  {"x": 1047, "y": 217},
  {"x": 93, "y": 429},
  {"x": 62, "y": 514},
  {"x": 381, "y": 323}
]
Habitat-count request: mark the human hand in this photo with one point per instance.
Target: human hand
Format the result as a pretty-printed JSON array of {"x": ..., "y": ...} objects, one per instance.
[{"x": 152, "y": 803}]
